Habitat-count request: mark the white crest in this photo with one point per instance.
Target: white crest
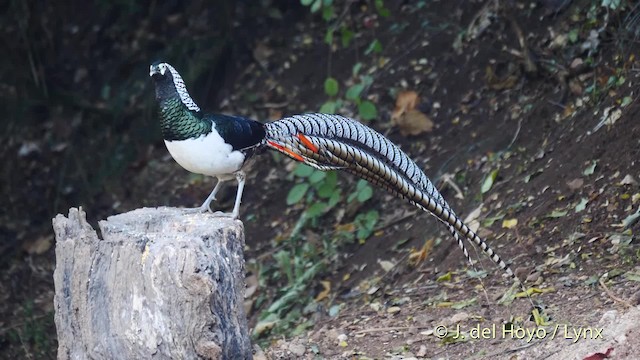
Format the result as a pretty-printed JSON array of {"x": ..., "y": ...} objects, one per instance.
[{"x": 182, "y": 89}]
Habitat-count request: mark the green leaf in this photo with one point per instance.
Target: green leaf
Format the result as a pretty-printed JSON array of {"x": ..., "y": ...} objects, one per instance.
[
  {"x": 328, "y": 37},
  {"x": 331, "y": 86},
  {"x": 557, "y": 214},
  {"x": 329, "y": 107},
  {"x": 356, "y": 69},
  {"x": 371, "y": 219},
  {"x": 327, "y": 12},
  {"x": 335, "y": 310},
  {"x": 363, "y": 233},
  {"x": 365, "y": 194},
  {"x": 316, "y": 209},
  {"x": 317, "y": 176},
  {"x": 488, "y": 181},
  {"x": 332, "y": 178},
  {"x": 374, "y": 47},
  {"x": 353, "y": 93},
  {"x": 346, "y": 36},
  {"x": 488, "y": 221},
  {"x": 590, "y": 169},
  {"x": 477, "y": 274},
  {"x": 463, "y": 304},
  {"x": 296, "y": 193},
  {"x": 367, "y": 80},
  {"x": 573, "y": 35},
  {"x": 611, "y": 4},
  {"x": 303, "y": 170},
  {"x": 582, "y": 204},
  {"x": 631, "y": 219},
  {"x": 306, "y": 2},
  {"x": 367, "y": 110},
  {"x": 283, "y": 258},
  {"x": 316, "y": 6},
  {"x": 382, "y": 11},
  {"x": 632, "y": 276},
  {"x": 335, "y": 198},
  {"x": 326, "y": 190}
]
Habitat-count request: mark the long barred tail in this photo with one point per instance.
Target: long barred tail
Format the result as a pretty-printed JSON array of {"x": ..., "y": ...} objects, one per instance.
[{"x": 334, "y": 142}]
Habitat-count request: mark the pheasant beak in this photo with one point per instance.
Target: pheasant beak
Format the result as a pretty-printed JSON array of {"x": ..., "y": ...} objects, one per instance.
[{"x": 157, "y": 69}]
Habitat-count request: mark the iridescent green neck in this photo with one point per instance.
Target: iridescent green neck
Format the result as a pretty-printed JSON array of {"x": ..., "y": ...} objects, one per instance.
[{"x": 179, "y": 123}]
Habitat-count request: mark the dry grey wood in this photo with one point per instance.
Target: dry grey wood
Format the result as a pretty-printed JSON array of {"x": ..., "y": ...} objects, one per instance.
[{"x": 160, "y": 284}]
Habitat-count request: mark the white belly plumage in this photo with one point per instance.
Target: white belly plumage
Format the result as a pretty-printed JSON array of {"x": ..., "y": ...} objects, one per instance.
[{"x": 207, "y": 155}]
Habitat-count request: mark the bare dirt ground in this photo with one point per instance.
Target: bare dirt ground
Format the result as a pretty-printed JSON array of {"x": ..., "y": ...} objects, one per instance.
[{"x": 562, "y": 139}]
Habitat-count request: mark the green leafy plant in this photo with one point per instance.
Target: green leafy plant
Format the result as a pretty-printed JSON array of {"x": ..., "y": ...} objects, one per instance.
[
  {"x": 35, "y": 331},
  {"x": 365, "y": 223},
  {"x": 298, "y": 262},
  {"x": 366, "y": 109}
]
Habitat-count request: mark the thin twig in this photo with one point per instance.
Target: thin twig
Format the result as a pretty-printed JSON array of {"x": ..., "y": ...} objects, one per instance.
[
  {"x": 19, "y": 324},
  {"x": 507, "y": 351},
  {"x": 392, "y": 328},
  {"x": 515, "y": 136},
  {"x": 612, "y": 295},
  {"x": 448, "y": 180},
  {"x": 396, "y": 221},
  {"x": 271, "y": 105}
]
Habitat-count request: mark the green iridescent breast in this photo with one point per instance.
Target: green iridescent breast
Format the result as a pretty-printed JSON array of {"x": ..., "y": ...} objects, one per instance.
[{"x": 179, "y": 123}]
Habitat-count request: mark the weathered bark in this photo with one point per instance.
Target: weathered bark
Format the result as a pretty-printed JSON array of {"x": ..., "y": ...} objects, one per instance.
[{"x": 161, "y": 284}]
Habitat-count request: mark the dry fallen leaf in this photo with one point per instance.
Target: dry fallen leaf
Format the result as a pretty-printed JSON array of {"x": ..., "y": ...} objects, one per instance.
[
  {"x": 405, "y": 115},
  {"x": 326, "y": 285},
  {"x": 418, "y": 256},
  {"x": 414, "y": 122},
  {"x": 252, "y": 284},
  {"x": 406, "y": 100},
  {"x": 509, "y": 223},
  {"x": 386, "y": 265},
  {"x": 501, "y": 83},
  {"x": 263, "y": 326},
  {"x": 39, "y": 246}
]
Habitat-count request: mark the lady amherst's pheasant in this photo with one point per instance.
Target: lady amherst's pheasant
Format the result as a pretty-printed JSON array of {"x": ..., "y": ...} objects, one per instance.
[{"x": 219, "y": 145}]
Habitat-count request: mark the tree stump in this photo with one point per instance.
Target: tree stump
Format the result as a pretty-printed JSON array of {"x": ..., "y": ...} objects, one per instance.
[{"x": 160, "y": 284}]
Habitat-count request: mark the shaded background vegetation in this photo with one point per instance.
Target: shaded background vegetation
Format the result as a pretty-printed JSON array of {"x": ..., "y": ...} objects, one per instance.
[
  {"x": 79, "y": 106},
  {"x": 79, "y": 113}
]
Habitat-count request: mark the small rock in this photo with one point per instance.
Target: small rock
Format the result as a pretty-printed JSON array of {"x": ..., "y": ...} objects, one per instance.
[
  {"x": 608, "y": 317},
  {"x": 258, "y": 353},
  {"x": 576, "y": 63},
  {"x": 459, "y": 317},
  {"x": 297, "y": 349},
  {"x": 393, "y": 310},
  {"x": 575, "y": 184},
  {"x": 533, "y": 278},
  {"x": 422, "y": 352},
  {"x": 628, "y": 180},
  {"x": 342, "y": 337},
  {"x": 423, "y": 319}
]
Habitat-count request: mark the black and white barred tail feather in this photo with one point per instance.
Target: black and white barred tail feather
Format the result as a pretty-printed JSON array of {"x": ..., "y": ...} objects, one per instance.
[{"x": 329, "y": 142}]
